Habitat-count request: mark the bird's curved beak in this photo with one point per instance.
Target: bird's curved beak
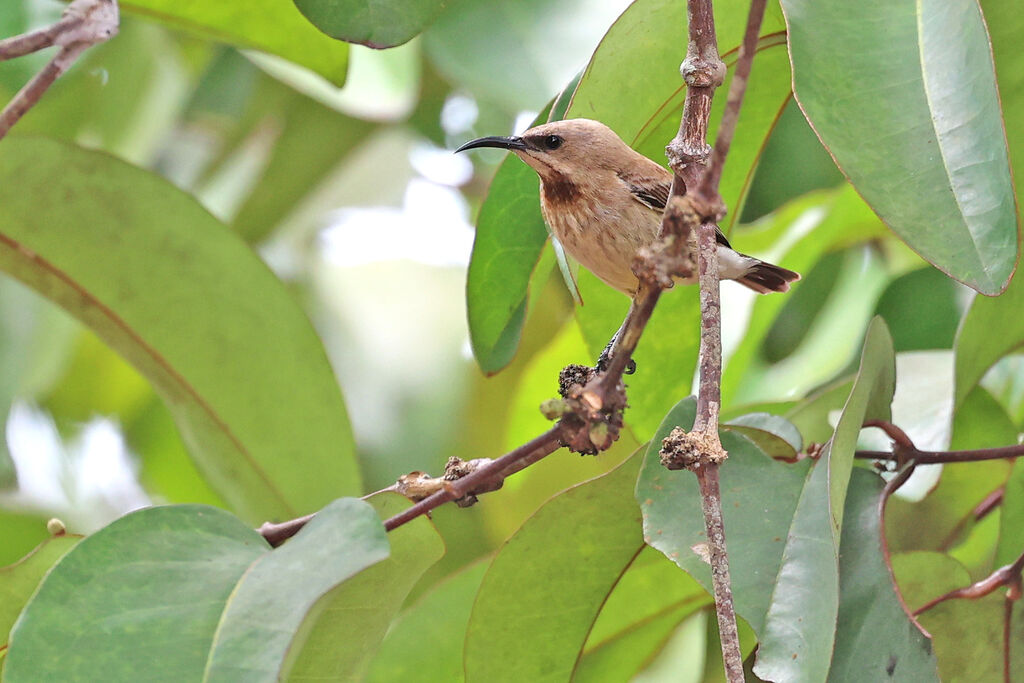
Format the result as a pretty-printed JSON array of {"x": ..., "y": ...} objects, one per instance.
[{"x": 494, "y": 141}]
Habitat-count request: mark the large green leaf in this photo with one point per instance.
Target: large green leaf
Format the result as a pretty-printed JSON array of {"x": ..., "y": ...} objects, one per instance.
[
  {"x": 922, "y": 139},
  {"x": 547, "y": 584},
  {"x": 800, "y": 627},
  {"x": 339, "y": 637},
  {"x": 977, "y": 347},
  {"x": 272, "y": 26},
  {"x": 18, "y": 581},
  {"x": 184, "y": 300},
  {"x": 425, "y": 643},
  {"x": 874, "y": 637},
  {"x": 375, "y": 23},
  {"x": 153, "y": 582},
  {"x": 270, "y": 601},
  {"x": 650, "y": 600},
  {"x": 755, "y": 523}
]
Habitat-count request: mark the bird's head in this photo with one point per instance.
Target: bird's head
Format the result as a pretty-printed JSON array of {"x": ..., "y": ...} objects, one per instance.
[{"x": 563, "y": 148}]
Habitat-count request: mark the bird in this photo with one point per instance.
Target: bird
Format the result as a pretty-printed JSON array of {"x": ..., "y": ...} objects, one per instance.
[{"x": 604, "y": 201}]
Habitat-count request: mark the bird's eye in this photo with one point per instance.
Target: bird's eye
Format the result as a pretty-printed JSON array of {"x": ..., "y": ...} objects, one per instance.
[{"x": 552, "y": 142}]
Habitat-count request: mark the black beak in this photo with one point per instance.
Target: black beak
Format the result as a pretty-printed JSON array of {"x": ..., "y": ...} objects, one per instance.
[{"x": 494, "y": 141}]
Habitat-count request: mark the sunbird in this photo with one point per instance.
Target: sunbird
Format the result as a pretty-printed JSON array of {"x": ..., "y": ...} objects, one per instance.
[{"x": 603, "y": 201}]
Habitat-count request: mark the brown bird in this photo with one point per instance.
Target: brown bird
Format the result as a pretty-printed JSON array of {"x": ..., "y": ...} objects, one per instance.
[{"x": 604, "y": 201}]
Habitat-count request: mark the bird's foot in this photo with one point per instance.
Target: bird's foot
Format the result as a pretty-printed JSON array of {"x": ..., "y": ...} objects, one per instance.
[{"x": 605, "y": 359}]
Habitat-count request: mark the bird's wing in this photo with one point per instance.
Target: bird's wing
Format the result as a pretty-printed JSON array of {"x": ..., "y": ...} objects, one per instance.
[{"x": 653, "y": 193}]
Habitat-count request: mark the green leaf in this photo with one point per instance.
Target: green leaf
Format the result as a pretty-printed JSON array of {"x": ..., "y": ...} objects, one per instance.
[
  {"x": 268, "y": 25},
  {"x": 800, "y": 627},
  {"x": 977, "y": 348},
  {"x": 799, "y": 234},
  {"x": 875, "y": 639},
  {"x": 1011, "y": 521},
  {"x": 425, "y": 643},
  {"x": 755, "y": 523},
  {"x": 313, "y": 139},
  {"x": 185, "y": 301},
  {"x": 547, "y": 584},
  {"x": 967, "y": 634},
  {"x": 933, "y": 161},
  {"x": 340, "y": 636},
  {"x": 154, "y": 581},
  {"x": 276, "y": 592},
  {"x": 1005, "y": 24},
  {"x": 811, "y": 416},
  {"x": 775, "y": 435},
  {"x": 374, "y": 23},
  {"x": 643, "y": 610},
  {"x": 830, "y": 344},
  {"x": 18, "y": 581},
  {"x": 510, "y": 235},
  {"x": 516, "y": 54}
]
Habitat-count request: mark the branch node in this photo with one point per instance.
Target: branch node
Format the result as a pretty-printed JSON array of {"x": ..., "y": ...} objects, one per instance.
[
  {"x": 99, "y": 22},
  {"x": 682, "y": 450},
  {"x": 702, "y": 70}
]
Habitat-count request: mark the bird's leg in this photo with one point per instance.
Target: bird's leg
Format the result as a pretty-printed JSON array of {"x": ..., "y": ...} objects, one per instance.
[{"x": 606, "y": 356}]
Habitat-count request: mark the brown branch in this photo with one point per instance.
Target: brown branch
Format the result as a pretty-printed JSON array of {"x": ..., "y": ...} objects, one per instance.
[
  {"x": 1007, "y": 575},
  {"x": 737, "y": 89},
  {"x": 939, "y": 457},
  {"x": 84, "y": 24}
]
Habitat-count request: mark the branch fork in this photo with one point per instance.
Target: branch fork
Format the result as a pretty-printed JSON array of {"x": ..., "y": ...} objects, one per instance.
[{"x": 84, "y": 23}]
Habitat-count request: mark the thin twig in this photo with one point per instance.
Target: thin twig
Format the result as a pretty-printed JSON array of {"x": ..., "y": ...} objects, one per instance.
[
  {"x": 531, "y": 451},
  {"x": 27, "y": 43},
  {"x": 84, "y": 24},
  {"x": 737, "y": 89},
  {"x": 939, "y": 457},
  {"x": 1007, "y": 575}
]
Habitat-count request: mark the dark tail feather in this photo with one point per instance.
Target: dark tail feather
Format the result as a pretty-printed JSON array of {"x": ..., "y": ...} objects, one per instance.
[{"x": 766, "y": 277}]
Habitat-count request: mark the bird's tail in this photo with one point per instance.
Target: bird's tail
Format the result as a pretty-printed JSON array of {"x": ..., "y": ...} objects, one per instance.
[{"x": 763, "y": 277}]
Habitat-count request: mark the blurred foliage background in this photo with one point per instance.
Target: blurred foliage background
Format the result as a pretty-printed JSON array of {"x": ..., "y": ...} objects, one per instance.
[{"x": 333, "y": 162}]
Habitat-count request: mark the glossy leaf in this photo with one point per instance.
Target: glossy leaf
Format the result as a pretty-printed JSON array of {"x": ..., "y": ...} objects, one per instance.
[
  {"x": 800, "y": 627},
  {"x": 775, "y": 435},
  {"x": 977, "y": 348},
  {"x": 1005, "y": 23},
  {"x": 377, "y": 23},
  {"x": 875, "y": 639},
  {"x": 924, "y": 143},
  {"x": 18, "y": 581},
  {"x": 756, "y": 524},
  {"x": 194, "y": 310},
  {"x": 267, "y": 25},
  {"x": 425, "y": 643},
  {"x": 272, "y": 598},
  {"x": 547, "y": 584},
  {"x": 154, "y": 580},
  {"x": 339, "y": 637}
]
